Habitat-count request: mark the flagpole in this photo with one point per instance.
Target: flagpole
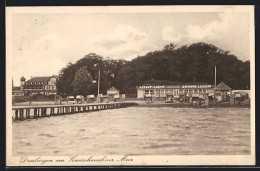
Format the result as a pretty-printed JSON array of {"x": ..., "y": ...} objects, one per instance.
[
  {"x": 215, "y": 82},
  {"x": 98, "y": 79}
]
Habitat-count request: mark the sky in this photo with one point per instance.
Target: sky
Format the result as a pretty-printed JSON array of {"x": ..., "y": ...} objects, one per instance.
[{"x": 43, "y": 44}]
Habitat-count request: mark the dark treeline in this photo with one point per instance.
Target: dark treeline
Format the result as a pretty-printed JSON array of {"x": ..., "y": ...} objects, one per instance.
[{"x": 194, "y": 63}]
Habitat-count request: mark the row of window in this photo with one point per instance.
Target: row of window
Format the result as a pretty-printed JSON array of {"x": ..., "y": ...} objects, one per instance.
[
  {"x": 46, "y": 88},
  {"x": 36, "y": 82},
  {"x": 50, "y": 87},
  {"x": 175, "y": 92}
]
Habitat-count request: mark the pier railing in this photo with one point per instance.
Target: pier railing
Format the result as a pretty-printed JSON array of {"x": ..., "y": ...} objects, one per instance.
[{"x": 33, "y": 112}]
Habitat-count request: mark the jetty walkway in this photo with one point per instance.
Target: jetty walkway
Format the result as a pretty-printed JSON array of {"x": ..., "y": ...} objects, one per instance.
[{"x": 33, "y": 112}]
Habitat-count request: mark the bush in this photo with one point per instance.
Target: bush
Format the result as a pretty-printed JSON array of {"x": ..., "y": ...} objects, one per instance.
[
  {"x": 19, "y": 99},
  {"x": 39, "y": 97},
  {"x": 131, "y": 96}
]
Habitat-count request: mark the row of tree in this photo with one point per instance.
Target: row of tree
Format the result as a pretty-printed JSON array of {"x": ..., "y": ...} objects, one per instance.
[
  {"x": 194, "y": 63},
  {"x": 82, "y": 77}
]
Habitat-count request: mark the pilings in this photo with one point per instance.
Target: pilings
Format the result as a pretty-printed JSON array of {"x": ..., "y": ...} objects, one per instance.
[{"x": 35, "y": 112}]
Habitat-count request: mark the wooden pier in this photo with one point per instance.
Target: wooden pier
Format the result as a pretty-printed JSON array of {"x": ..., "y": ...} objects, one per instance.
[{"x": 33, "y": 112}]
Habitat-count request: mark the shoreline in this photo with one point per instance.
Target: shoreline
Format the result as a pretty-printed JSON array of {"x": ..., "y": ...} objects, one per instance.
[
  {"x": 191, "y": 106},
  {"x": 154, "y": 104}
]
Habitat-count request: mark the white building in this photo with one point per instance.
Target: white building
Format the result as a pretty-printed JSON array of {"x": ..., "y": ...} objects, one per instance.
[{"x": 160, "y": 88}]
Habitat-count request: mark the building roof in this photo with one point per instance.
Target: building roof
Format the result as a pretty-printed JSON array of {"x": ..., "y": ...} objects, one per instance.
[
  {"x": 112, "y": 89},
  {"x": 42, "y": 79},
  {"x": 222, "y": 86},
  {"x": 22, "y": 79},
  {"x": 167, "y": 82},
  {"x": 39, "y": 79}
]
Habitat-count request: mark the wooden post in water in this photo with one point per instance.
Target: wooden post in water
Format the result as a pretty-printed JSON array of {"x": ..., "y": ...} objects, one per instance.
[
  {"x": 41, "y": 112},
  {"x": 51, "y": 112},
  {"x": 21, "y": 114},
  {"x": 44, "y": 112},
  {"x": 38, "y": 112},
  {"x": 27, "y": 113},
  {"x": 35, "y": 113},
  {"x": 16, "y": 114}
]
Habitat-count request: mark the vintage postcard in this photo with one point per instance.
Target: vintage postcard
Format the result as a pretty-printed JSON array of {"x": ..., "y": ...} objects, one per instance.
[{"x": 130, "y": 85}]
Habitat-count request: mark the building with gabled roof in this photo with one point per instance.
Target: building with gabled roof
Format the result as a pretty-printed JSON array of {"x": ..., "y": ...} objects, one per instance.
[
  {"x": 222, "y": 87},
  {"x": 222, "y": 90},
  {"x": 112, "y": 91},
  {"x": 40, "y": 85}
]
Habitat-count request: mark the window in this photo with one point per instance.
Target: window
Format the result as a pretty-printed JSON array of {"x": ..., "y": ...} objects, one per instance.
[
  {"x": 145, "y": 92},
  {"x": 200, "y": 90},
  {"x": 54, "y": 87},
  {"x": 166, "y": 91},
  {"x": 195, "y": 91},
  {"x": 157, "y": 93},
  {"x": 162, "y": 92}
]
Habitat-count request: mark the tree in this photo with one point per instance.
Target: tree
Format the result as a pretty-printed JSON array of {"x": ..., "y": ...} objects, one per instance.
[
  {"x": 82, "y": 83},
  {"x": 170, "y": 46},
  {"x": 193, "y": 63},
  {"x": 66, "y": 77}
]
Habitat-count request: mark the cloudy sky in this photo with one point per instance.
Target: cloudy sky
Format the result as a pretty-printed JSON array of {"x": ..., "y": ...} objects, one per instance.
[{"x": 42, "y": 44}]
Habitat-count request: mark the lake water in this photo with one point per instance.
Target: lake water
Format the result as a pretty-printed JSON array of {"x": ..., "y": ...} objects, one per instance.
[{"x": 137, "y": 131}]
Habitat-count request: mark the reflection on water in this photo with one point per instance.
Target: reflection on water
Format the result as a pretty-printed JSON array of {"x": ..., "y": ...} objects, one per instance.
[{"x": 137, "y": 131}]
